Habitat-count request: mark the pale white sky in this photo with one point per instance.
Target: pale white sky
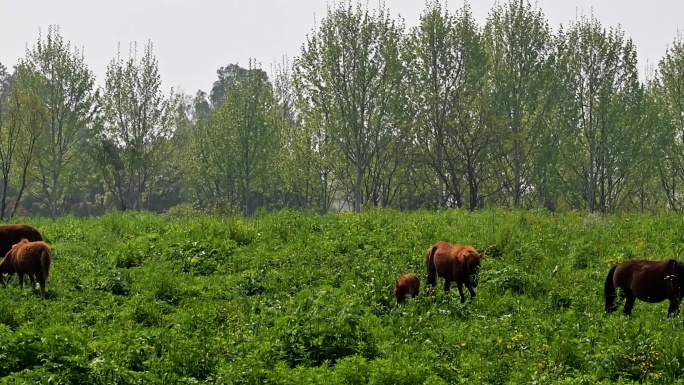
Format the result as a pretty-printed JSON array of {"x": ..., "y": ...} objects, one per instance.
[{"x": 192, "y": 39}]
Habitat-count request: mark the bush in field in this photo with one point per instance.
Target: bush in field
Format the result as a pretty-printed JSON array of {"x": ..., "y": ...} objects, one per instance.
[
  {"x": 118, "y": 282},
  {"x": 201, "y": 257}
]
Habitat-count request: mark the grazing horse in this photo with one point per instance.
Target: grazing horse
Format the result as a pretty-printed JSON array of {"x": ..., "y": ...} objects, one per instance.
[
  {"x": 649, "y": 281},
  {"x": 32, "y": 258},
  {"x": 457, "y": 263},
  {"x": 407, "y": 284}
]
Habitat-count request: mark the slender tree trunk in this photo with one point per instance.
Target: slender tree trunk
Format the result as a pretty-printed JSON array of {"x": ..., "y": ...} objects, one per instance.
[
  {"x": 592, "y": 183},
  {"x": 21, "y": 190},
  {"x": 246, "y": 197},
  {"x": 3, "y": 205},
  {"x": 442, "y": 198},
  {"x": 472, "y": 184},
  {"x": 357, "y": 189},
  {"x": 53, "y": 195}
]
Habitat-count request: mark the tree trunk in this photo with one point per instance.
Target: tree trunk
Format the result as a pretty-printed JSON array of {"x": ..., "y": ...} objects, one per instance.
[
  {"x": 357, "y": 189},
  {"x": 5, "y": 182},
  {"x": 53, "y": 196}
]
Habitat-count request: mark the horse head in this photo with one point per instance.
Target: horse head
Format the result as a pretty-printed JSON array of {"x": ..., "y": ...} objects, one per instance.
[{"x": 475, "y": 276}]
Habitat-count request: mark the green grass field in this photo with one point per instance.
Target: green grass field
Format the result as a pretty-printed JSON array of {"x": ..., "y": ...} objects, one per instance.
[{"x": 291, "y": 298}]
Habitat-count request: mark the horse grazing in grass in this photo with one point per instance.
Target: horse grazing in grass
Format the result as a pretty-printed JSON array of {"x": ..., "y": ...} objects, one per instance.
[
  {"x": 32, "y": 258},
  {"x": 457, "y": 263},
  {"x": 649, "y": 281},
  {"x": 407, "y": 284}
]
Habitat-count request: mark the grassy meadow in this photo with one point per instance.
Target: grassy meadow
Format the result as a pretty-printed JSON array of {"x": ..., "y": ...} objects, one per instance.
[{"x": 294, "y": 298}]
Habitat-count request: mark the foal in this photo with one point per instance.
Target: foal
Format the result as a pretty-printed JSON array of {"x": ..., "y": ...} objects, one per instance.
[{"x": 407, "y": 284}]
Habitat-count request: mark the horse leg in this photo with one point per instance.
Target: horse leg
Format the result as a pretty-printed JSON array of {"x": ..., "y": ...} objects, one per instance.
[
  {"x": 674, "y": 307},
  {"x": 612, "y": 303},
  {"x": 611, "y": 307},
  {"x": 41, "y": 282},
  {"x": 21, "y": 281},
  {"x": 460, "y": 291},
  {"x": 471, "y": 289},
  {"x": 447, "y": 285},
  {"x": 629, "y": 304},
  {"x": 674, "y": 302}
]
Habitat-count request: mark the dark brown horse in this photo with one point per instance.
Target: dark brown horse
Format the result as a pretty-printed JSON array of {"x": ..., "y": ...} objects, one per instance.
[
  {"x": 31, "y": 258},
  {"x": 407, "y": 284},
  {"x": 12, "y": 234},
  {"x": 649, "y": 281},
  {"x": 457, "y": 263}
]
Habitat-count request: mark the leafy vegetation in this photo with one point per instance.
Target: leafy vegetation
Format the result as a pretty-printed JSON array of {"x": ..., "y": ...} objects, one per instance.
[
  {"x": 296, "y": 298},
  {"x": 444, "y": 114}
]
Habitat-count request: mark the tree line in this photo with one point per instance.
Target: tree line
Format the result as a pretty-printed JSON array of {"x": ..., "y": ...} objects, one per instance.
[{"x": 446, "y": 114}]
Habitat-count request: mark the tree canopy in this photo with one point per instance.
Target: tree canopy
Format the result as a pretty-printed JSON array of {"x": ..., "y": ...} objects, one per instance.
[{"x": 444, "y": 114}]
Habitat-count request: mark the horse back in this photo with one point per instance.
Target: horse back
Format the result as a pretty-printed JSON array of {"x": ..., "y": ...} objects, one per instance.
[
  {"x": 27, "y": 257},
  {"x": 443, "y": 253},
  {"x": 456, "y": 260},
  {"x": 636, "y": 266},
  {"x": 409, "y": 280},
  {"x": 407, "y": 284},
  {"x": 642, "y": 275}
]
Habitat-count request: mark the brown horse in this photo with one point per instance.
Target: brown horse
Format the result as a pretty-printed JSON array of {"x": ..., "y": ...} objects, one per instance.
[
  {"x": 649, "y": 281},
  {"x": 32, "y": 258},
  {"x": 457, "y": 263},
  {"x": 407, "y": 284}
]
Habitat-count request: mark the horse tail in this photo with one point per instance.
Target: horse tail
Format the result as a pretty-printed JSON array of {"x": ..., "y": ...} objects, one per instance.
[
  {"x": 431, "y": 269},
  {"x": 45, "y": 262},
  {"x": 609, "y": 290}
]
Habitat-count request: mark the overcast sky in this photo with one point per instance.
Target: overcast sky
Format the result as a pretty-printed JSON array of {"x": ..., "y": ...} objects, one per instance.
[{"x": 192, "y": 39}]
